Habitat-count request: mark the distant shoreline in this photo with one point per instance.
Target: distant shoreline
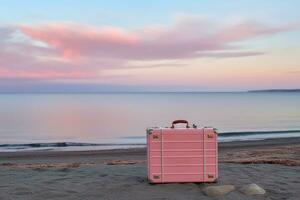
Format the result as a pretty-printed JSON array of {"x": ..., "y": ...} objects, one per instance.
[{"x": 276, "y": 90}]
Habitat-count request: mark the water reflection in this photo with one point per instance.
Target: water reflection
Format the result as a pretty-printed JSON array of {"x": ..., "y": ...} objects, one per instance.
[{"x": 104, "y": 117}]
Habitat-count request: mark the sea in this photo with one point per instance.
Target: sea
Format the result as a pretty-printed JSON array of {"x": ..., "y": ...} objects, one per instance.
[{"x": 97, "y": 121}]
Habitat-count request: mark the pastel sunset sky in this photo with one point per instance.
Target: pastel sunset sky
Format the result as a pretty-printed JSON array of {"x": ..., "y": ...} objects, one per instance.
[{"x": 191, "y": 45}]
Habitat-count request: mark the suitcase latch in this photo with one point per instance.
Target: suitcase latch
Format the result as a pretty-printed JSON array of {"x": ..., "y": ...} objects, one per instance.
[
  {"x": 210, "y": 135},
  {"x": 156, "y": 137}
]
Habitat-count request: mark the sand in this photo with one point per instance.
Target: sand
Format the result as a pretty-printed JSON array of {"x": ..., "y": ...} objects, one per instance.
[{"x": 121, "y": 174}]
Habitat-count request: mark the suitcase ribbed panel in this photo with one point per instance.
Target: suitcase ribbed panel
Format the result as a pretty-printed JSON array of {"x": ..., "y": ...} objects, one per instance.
[{"x": 182, "y": 155}]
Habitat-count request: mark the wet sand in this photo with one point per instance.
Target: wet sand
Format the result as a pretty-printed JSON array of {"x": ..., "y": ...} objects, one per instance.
[{"x": 121, "y": 174}]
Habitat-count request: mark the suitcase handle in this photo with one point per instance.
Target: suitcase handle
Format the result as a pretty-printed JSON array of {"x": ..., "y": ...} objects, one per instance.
[{"x": 180, "y": 121}]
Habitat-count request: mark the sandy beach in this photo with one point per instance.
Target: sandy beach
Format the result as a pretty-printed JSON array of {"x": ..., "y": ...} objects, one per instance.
[{"x": 273, "y": 164}]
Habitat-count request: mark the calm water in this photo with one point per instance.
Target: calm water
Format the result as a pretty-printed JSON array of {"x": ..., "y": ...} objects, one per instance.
[{"x": 123, "y": 118}]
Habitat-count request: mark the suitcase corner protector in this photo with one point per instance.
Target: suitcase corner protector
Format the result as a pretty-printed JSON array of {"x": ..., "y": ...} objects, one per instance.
[
  {"x": 216, "y": 131},
  {"x": 215, "y": 181},
  {"x": 149, "y": 131},
  {"x": 151, "y": 182}
]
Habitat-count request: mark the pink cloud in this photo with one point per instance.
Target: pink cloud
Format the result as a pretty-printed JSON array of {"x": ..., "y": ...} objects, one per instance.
[
  {"x": 74, "y": 40},
  {"x": 75, "y": 51},
  {"x": 182, "y": 40}
]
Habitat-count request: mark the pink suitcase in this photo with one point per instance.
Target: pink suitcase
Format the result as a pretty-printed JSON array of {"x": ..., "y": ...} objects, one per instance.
[{"x": 182, "y": 154}]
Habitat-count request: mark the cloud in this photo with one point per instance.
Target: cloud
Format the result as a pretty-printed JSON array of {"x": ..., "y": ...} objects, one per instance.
[
  {"x": 75, "y": 51},
  {"x": 74, "y": 40},
  {"x": 184, "y": 39}
]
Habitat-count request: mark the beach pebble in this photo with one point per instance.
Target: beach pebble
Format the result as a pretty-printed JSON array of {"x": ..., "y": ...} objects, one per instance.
[
  {"x": 216, "y": 191},
  {"x": 252, "y": 189}
]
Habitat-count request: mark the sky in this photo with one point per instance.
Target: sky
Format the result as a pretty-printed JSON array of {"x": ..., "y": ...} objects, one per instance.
[{"x": 191, "y": 45}]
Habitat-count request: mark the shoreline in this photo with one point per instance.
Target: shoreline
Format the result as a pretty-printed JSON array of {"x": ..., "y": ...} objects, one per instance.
[
  {"x": 223, "y": 146},
  {"x": 270, "y": 151},
  {"x": 224, "y": 137}
]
